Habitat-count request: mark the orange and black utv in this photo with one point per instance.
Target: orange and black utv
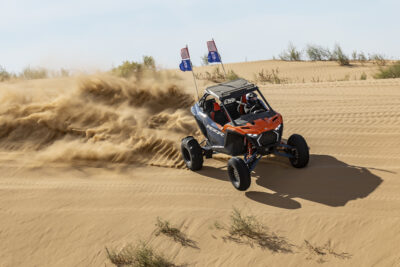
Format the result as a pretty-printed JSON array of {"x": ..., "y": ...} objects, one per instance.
[{"x": 236, "y": 122}]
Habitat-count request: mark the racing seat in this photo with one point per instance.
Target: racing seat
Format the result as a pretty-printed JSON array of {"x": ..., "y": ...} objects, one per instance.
[{"x": 219, "y": 115}]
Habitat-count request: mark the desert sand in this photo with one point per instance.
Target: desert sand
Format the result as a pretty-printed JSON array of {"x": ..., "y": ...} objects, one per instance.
[{"x": 91, "y": 162}]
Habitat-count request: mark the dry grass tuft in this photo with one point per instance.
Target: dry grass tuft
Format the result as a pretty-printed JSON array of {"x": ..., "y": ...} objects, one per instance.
[
  {"x": 248, "y": 230},
  {"x": 217, "y": 76},
  {"x": 165, "y": 228},
  {"x": 264, "y": 76},
  {"x": 322, "y": 252},
  {"x": 140, "y": 256}
]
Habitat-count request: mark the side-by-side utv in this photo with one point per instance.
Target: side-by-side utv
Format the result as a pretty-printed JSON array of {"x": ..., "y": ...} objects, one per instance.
[{"x": 234, "y": 126}]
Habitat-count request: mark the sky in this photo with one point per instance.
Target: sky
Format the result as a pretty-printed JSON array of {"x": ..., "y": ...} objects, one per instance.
[{"x": 97, "y": 35}]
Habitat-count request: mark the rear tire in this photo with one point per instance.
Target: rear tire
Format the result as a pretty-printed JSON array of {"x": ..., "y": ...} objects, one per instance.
[
  {"x": 239, "y": 174},
  {"x": 300, "y": 151},
  {"x": 192, "y": 153}
]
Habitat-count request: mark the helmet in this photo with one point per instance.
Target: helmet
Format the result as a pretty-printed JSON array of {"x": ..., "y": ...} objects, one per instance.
[{"x": 251, "y": 98}]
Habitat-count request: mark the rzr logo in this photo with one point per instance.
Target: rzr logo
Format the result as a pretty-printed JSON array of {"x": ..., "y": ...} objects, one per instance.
[{"x": 215, "y": 131}]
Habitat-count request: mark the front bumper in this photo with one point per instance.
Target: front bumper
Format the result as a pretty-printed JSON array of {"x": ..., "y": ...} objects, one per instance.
[{"x": 266, "y": 142}]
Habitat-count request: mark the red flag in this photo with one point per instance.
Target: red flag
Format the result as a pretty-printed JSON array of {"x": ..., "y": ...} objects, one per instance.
[
  {"x": 185, "y": 53},
  {"x": 211, "y": 46}
]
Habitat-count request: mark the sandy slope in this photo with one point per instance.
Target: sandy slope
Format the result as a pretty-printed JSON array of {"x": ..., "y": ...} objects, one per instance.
[
  {"x": 298, "y": 72},
  {"x": 64, "y": 213}
]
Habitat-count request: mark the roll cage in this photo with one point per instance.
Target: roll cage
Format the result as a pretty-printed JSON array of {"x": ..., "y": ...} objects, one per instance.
[{"x": 232, "y": 92}]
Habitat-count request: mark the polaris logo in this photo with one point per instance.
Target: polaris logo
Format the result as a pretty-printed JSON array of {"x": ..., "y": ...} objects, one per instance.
[{"x": 215, "y": 131}]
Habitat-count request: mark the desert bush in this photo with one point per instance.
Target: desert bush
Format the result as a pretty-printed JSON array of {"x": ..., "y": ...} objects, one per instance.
[
  {"x": 4, "y": 75},
  {"x": 165, "y": 228},
  {"x": 204, "y": 60},
  {"x": 388, "y": 72},
  {"x": 30, "y": 73},
  {"x": 132, "y": 68},
  {"x": 339, "y": 56},
  {"x": 231, "y": 75},
  {"x": 361, "y": 57},
  {"x": 378, "y": 59},
  {"x": 317, "y": 53},
  {"x": 291, "y": 54},
  {"x": 149, "y": 63},
  {"x": 363, "y": 76},
  {"x": 127, "y": 69},
  {"x": 64, "y": 73},
  {"x": 264, "y": 76},
  {"x": 140, "y": 256},
  {"x": 354, "y": 55}
]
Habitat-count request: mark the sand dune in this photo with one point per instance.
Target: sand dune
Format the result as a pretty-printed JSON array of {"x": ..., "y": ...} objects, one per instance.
[{"x": 91, "y": 162}]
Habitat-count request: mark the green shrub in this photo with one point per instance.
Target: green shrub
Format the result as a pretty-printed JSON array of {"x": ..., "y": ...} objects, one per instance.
[
  {"x": 388, "y": 72},
  {"x": 354, "y": 55},
  {"x": 149, "y": 63},
  {"x": 127, "y": 69},
  {"x": 317, "y": 53},
  {"x": 291, "y": 54},
  {"x": 363, "y": 76},
  {"x": 231, "y": 75},
  {"x": 131, "y": 68},
  {"x": 378, "y": 59},
  {"x": 339, "y": 56},
  {"x": 34, "y": 73},
  {"x": 361, "y": 57},
  {"x": 204, "y": 60},
  {"x": 4, "y": 75}
]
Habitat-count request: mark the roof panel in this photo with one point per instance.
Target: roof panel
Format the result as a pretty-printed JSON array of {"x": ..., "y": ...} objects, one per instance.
[{"x": 228, "y": 89}]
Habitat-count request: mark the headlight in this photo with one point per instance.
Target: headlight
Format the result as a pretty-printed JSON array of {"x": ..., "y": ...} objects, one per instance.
[
  {"x": 252, "y": 135},
  {"x": 279, "y": 127}
]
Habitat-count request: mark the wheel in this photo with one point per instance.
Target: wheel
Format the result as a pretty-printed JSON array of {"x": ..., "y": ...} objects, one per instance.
[
  {"x": 192, "y": 153},
  {"x": 239, "y": 174},
  {"x": 300, "y": 151}
]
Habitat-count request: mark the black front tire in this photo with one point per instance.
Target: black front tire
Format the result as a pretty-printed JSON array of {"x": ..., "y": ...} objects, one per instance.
[
  {"x": 300, "y": 151},
  {"x": 239, "y": 174},
  {"x": 192, "y": 153}
]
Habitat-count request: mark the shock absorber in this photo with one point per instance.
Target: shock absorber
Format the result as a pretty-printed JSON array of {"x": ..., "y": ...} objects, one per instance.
[{"x": 249, "y": 148}]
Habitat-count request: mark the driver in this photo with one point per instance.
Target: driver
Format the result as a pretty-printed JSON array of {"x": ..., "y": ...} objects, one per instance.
[{"x": 253, "y": 103}]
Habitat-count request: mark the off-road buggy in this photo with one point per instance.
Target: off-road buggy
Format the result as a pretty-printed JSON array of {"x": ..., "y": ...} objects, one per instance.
[{"x": 228, "y": 129}]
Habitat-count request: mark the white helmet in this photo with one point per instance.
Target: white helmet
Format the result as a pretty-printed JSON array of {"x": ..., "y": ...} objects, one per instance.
[{"x": 251, "y": 98}]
